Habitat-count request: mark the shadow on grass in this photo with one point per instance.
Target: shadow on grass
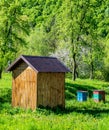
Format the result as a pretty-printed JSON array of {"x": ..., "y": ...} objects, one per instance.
[
  {"x": 5, "y": 95},
  {"x": 95, "y": 112},
  {"x": 71, "y": 90}
]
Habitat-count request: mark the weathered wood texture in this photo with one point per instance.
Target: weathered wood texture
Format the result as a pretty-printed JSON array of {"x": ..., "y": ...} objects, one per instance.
[
  {"x": 31, "y": 89},
  {"x": 24, "y": 87},
  {"x": 51, "y": 89}
]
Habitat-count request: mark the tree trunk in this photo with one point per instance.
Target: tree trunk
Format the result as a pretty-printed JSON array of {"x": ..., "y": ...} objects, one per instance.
[
  {"x": 0, "y": 73},
  {"x": 91, "y": 70},
  {"x": 74, "y": 67},
  {"x": 91, "y": 63}
]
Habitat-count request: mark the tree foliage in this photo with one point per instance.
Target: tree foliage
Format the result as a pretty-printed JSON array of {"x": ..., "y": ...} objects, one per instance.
[
  {"x": 13, "y": 27},
  {"x": 76, "y": 31}
]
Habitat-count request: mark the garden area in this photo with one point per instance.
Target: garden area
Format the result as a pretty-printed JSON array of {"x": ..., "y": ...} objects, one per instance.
[{"x": 87, "y": 115}]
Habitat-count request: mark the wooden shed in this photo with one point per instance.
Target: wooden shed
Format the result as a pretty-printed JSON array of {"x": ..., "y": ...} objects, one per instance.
[{"x": 37, "y": 81}]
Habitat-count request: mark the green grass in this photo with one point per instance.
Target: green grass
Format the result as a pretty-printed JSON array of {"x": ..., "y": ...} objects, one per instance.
[
  {"x": 5, "y": 82},
  {"x": 76, "y": 115}
]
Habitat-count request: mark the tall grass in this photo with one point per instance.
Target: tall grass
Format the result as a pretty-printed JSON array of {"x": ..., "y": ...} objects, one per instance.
[{"x": 76, "y": 115}]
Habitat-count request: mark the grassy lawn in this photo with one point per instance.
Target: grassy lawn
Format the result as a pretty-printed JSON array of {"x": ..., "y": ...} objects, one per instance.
[{"x": 76, "y": 115}]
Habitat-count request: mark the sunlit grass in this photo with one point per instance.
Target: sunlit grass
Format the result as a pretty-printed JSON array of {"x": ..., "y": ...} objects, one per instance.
[
  {"x": 6, "y": 80},
  {"x": 95, "y": 83}
]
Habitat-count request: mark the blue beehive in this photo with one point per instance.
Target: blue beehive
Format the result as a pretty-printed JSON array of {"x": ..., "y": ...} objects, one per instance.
[{"x": 82, "y": 95}]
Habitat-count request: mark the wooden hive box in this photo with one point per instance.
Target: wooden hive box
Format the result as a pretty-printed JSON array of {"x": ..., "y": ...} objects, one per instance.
[{"x": 37, "y": 81}]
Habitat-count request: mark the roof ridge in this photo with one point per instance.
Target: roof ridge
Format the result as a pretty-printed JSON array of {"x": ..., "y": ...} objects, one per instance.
[{"x": 39, "y": 56}]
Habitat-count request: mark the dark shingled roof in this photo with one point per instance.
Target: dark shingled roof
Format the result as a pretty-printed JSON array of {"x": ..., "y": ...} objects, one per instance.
[{"x": 40, "y": 64}]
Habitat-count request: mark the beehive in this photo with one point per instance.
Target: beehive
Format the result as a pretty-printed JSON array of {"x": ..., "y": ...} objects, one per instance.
[
  {"x": 82, "y": 95},
  {"x": 99, "y": 95}
]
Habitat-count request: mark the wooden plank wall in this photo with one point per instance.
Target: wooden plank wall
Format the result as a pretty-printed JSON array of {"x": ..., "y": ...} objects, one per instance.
[
  {"x": 24, "y": 87},
  {"x": 51, "y": 89}
]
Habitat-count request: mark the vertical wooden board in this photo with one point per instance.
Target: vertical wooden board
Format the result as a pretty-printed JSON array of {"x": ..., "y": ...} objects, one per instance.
[
  {"x": 59, "y": 87},
  {"x": 47, "y": 96},
  {"x": 16, "y": 93},
  {"x": 47, "y": 93},
  {"x": 62, "y": 84},
  {"x": 31, "y": 88},
  {"x": 44, "y": 91},
  {"x": 40, "y": 101},
  {"x": 53, "y": 97},
  {"x": 63, "y": 91},
  {"x": 39, "y": 91},
  {"x": 33, "y": 94}
]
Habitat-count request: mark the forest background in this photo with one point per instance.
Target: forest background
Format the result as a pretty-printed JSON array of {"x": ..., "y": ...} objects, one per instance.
[{"x": 75, "y": 31}]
